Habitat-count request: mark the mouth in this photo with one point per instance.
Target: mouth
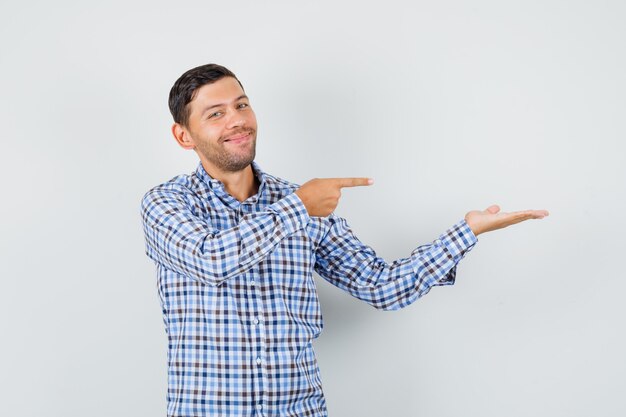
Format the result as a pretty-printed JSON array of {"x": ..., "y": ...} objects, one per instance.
[{"x": 238, "y": 138}]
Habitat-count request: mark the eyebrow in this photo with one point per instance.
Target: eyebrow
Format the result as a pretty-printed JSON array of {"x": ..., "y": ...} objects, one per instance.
[{"x": 206, "y": 109}]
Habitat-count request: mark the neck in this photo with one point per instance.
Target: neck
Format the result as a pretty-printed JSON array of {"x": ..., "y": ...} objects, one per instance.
[{"x": 241, "y": 184}]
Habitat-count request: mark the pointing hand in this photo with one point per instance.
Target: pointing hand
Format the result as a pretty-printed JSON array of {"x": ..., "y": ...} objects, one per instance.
[{"x": 321, "y": 195}]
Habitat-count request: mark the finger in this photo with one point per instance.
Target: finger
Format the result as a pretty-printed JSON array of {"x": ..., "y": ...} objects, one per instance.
[
  {"x": 521, "y": 216},
  {"x": 493, "y": 209},
  {"x": 532, "y": 214},
  {"x": 353, "y": 182}
]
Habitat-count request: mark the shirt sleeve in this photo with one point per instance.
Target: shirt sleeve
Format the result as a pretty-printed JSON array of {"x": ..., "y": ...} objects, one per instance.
[
  {"x": 184, "y": 243},
  {"x": 344, "y": 261}
]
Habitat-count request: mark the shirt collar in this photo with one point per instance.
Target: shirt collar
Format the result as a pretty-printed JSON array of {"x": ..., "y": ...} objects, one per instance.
[{"x": 217, "y": 186}]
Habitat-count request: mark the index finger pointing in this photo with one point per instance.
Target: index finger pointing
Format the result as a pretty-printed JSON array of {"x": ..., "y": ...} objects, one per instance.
[{"x": 354, "y": 182}]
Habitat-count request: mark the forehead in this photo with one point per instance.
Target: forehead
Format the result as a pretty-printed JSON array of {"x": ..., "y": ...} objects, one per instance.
[{"x": 222, "y": 91}]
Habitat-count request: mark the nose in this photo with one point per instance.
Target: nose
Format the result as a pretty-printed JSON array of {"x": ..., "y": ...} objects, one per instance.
[{"x": 235, "y": 120}]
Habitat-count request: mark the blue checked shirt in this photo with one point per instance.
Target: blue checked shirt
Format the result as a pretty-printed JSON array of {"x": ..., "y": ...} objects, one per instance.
[{"x": 235, "y": 281}]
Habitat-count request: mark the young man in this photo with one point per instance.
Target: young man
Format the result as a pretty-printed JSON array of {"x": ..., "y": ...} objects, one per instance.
[{"x": 236, "y": 248}]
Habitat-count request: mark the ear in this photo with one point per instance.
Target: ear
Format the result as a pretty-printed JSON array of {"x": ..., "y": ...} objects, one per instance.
[{"x": 182, "y": 136}]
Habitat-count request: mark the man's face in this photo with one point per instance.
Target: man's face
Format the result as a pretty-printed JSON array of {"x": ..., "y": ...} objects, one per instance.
[{"x": 222, "y": 126}]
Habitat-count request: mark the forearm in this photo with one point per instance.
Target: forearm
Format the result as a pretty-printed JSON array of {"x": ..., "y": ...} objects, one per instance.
[
  {"x": 354, "y": 267},
  {"x": 185, "y": 244}
]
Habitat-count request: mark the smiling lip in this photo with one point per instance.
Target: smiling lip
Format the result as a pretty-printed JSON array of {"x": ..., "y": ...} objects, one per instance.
[{"x": 238, "y": 138}]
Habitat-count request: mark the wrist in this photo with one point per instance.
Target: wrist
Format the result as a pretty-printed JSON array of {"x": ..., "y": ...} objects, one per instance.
[{"x": 472, "y": 225}]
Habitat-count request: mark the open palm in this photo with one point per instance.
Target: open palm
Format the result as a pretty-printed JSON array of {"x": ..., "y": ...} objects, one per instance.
[{"x": 492, "y": 219}]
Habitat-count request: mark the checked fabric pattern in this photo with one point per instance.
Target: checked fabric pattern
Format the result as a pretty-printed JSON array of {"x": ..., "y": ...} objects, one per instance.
[{"x": 240, "y": 307}]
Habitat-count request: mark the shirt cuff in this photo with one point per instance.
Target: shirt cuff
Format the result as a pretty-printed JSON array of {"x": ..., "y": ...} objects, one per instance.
[
  {"x": 458, "y": 240},
  {"x": 291, "y": 212}
]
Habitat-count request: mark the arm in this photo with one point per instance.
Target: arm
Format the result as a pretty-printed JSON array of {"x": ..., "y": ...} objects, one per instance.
[
  {"x": 350, "y": 265},
  {"x": 187, "y": 245},
  {"x": 344, "y": 261}
]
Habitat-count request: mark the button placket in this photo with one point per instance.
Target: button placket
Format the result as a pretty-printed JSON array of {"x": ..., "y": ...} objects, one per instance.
[{"x": 258, "y": 345}]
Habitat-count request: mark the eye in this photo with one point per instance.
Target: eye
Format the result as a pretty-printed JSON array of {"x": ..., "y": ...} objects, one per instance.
[
  {"x": 242, "y": 105},
  {"x": 214, "y": 115}
]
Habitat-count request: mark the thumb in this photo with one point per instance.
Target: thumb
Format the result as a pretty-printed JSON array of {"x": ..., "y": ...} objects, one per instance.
[{"x": 493, "y": 209}]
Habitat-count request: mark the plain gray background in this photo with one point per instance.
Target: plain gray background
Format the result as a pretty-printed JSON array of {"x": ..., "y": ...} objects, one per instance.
[{"x": 449, "y": 105}]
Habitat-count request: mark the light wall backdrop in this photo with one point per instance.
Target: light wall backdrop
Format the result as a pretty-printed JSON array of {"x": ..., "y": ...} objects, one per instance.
[{"x": 449, "y": 105}]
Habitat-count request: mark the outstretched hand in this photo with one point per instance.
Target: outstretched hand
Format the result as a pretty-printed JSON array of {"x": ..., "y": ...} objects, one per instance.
[
  {"x": 492, "y": 219},
  {"x": 321, "y": 195}
]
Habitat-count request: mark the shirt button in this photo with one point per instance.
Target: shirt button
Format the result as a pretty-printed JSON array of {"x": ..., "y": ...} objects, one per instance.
[
  {"x": 252, "y": 283},
  {"x": 259, "y": 407},
  {"x": 258, "y": 361},
  {"x": 256, "y": 321}
]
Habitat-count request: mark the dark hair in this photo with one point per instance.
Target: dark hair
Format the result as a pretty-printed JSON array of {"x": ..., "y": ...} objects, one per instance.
[{"x": 184, "y": 89}]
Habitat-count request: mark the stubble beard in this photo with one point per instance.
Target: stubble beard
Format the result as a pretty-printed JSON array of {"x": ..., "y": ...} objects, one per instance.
[{"x": 226, "y": 161}]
